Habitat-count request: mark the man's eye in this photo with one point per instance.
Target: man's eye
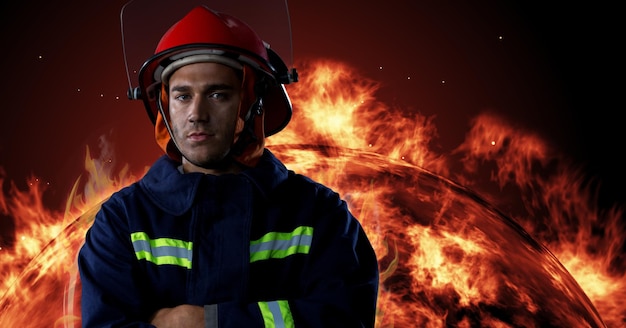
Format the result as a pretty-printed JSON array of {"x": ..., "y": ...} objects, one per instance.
[
  {"x": 220, "y": 96},
  {"x": 182, "y": 97}
]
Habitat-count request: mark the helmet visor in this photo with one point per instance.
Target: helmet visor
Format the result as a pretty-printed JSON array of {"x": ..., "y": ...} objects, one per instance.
[{"x": 143, "y": 23}]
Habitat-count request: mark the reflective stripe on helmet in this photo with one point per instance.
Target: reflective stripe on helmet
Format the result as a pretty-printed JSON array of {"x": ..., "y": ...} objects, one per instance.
[
  {"x": 278, "y": 245},
  {"x": 197, "y": 58},
  {"x": 276, "y": 314},
  {"x": 162, "y": 251}
]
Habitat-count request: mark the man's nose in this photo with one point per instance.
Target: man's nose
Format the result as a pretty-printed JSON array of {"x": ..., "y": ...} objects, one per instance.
[{"x": 199, "y": 110}]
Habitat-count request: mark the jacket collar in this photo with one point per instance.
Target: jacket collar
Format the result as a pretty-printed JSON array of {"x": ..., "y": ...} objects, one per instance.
[
  {"x": 267, "y": 174},
  {"x": 175, "y": 192}
]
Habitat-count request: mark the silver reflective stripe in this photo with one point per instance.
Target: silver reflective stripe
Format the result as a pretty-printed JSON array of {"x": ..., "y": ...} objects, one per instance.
[
  {"x": 162, "y": 251},
  {"x": 277, "y": 245},
  {"x": 276, "y": 314},
  {"x": 210, "y": 316}
]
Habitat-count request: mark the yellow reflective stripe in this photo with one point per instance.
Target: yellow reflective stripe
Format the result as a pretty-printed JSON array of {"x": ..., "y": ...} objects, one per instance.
[
  {"x": 162, "y": 251},
  {"x": 278, "y": 254},
  {"x": 276, "y": 314},
  {"x": 277, "y": 245},
  {"x": 163, "y": 260},
  {"x": 270, "y": 236}
]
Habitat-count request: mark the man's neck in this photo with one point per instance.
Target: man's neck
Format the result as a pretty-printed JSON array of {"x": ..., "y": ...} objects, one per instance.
[{"x": 231, "y": 168}]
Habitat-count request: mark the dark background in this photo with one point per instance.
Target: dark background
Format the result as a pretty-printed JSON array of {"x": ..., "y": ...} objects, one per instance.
[{"x": 555, "y": 71}]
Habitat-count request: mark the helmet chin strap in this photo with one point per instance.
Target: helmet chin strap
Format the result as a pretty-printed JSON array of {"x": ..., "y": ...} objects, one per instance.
[
  {"x": 247, "y": 135},
  {"x": 166, "y": 121}
]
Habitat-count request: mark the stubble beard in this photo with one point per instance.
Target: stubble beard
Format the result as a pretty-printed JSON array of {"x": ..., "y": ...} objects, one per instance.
[{"x": 212, "y": 161}]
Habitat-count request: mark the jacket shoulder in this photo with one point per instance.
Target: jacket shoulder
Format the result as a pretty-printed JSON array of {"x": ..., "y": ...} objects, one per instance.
[{"x": 307, "y": 188}]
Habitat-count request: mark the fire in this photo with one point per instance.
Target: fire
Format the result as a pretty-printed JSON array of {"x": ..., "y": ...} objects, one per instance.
[
  {"x": 337, "y": 108},
  {"x": 41, "y": 269},
  {"x": 560, "y": 209},
  {"x": 447, "y": 256}
]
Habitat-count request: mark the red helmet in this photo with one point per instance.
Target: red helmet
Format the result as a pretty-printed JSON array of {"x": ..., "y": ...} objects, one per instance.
[{"x": 206, "y": 35}]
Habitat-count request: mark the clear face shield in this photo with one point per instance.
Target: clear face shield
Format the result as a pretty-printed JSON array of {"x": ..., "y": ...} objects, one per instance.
[{"x": 143, "y": 23}]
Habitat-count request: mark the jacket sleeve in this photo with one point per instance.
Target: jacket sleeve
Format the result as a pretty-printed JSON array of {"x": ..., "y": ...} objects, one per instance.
[
  {"x": 112, "y": 295},
  {"x": 339, "y": 283}
]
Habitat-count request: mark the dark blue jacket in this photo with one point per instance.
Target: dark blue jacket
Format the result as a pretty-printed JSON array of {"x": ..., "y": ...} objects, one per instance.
[{"x": 262, "y": 248}]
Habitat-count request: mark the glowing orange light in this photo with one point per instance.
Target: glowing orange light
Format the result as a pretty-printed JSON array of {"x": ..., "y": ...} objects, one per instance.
[{"x": 433, "y": 268}]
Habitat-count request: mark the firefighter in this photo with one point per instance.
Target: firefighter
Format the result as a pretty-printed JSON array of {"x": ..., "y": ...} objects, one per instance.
[{"x": 219, "y": 233}]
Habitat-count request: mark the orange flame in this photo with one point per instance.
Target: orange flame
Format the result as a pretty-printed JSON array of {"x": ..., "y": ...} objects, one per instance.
[
  {"x": 41, "y": 268},
  {"x": 561, "y": 209},
  {"x": 440, "y": 262}
]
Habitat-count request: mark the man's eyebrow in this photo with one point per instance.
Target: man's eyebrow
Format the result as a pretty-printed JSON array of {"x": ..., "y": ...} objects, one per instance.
[{"x": 209, "y": 87}]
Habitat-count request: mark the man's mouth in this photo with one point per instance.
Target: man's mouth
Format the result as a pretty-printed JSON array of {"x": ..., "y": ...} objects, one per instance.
[{"x": 199, "y": 136}]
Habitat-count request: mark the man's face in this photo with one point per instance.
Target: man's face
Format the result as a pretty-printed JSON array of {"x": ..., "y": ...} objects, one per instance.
[{"x": 203, "y": 106}]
